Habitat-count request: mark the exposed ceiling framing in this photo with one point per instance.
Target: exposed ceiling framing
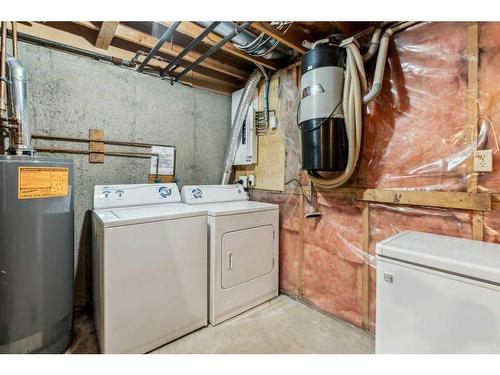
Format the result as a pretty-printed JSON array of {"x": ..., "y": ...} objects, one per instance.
[{"x": 223, "y": 71}]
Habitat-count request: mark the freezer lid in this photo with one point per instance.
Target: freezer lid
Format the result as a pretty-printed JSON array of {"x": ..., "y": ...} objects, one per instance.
[{"x": 474, "y": 259}]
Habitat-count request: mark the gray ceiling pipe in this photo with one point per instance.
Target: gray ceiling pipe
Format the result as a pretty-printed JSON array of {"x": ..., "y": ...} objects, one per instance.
[{"x": 246, "y": 37}]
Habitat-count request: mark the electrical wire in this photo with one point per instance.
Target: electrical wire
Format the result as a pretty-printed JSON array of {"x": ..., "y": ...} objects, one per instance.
[{"x": 301, "y": 189}]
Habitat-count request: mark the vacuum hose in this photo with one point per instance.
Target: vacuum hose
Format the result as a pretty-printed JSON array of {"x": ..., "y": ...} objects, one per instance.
[{"x": 239, "y": 119}]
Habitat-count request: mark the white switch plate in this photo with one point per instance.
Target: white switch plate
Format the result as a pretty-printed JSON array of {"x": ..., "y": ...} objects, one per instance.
[{"x": 483, "y": 161}]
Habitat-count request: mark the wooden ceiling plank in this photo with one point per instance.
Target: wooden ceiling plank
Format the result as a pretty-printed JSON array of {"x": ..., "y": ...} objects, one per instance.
[
  {"x": 192, "y": 30},
  {"x": 106, "y": 34},
  {"x": 290, "y": 40}
]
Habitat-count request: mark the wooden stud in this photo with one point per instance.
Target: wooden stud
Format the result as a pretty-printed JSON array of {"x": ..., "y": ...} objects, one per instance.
[
  {"x": 301, "y": 247},
  {"x": 106, "y": 34},
  {"x": 96, "y": 148},
  {"x": 472, "y": 116},
  {"x": 365, "y": 289}
]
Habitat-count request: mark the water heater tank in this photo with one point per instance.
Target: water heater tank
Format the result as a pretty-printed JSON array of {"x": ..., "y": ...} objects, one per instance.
[
  {"x": 321, "y": 119},
  {"x": 36, "y": 254}
]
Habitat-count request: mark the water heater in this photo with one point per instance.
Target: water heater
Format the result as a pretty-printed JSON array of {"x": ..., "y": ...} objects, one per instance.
[
  {"x": 36, "y": 254},
  {"x": 321, "y": 119}
]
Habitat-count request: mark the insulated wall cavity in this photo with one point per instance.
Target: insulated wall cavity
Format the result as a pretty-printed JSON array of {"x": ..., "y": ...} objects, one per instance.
[{"x": 416, "y": 136}]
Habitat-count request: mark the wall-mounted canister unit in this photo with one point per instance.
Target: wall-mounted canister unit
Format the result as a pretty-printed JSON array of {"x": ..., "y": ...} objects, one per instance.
[
  {"x": 437, "y": 294},
  {"x": 36, "y": 254},
  {"x": 321, "y": 119}
]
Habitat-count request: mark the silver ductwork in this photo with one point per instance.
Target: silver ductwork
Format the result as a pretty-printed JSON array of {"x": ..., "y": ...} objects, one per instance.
[
  {"x": 246, "y": 40},
  {"x": 17, "y": 103}
]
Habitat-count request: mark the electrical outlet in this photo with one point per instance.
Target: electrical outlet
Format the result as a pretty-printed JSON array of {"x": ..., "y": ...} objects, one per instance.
[
  {"x": 251, "y": 180},
  {"x": 243, "y": 180},
  {"x": 483, "y": 161}
]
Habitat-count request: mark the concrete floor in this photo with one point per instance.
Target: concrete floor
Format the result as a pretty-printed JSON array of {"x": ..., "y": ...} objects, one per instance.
[{"x": 281, "y": 325}]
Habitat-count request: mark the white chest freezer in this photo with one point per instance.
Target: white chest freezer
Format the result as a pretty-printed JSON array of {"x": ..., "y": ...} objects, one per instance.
[{"x": 437, "y": 294}]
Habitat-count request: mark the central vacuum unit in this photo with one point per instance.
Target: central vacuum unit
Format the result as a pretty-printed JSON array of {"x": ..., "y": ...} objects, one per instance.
[
  {"x": 321, "y": 118},
  {"x": 333, "y": 92},
  {"x": 36, "y": 230}
]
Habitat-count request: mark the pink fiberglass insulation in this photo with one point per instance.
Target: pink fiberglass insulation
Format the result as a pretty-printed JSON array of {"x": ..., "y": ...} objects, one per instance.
[
  {"x": 415, "y": 133},
  {"x": 289, "y": 237},
  {"x": 415, "y": 137},
  {"x": 332, "y": 266}
]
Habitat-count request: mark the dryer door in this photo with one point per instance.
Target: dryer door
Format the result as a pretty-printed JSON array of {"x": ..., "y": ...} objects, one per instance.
[{"x": 247, "y": 254}]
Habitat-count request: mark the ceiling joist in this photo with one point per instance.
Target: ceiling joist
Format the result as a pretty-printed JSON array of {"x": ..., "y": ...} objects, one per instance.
[
  {"x": 172, "y": 50},
  {"x": 106, "y": 34}
]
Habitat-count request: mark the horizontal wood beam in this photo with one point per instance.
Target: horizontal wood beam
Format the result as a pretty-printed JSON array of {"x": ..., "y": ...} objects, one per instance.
[
  {"x": 444, "y": 199},
  {"x": 192, "y": 30},
  {"x": 440, "y": 199},
  {"x": 106, "y": 34},
  {"x": 290, "y": 40},
  {"x": 132, "y": 35}
]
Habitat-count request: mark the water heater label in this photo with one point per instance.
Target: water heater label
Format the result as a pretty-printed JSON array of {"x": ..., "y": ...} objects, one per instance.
[{"x": 42, "y": 182}]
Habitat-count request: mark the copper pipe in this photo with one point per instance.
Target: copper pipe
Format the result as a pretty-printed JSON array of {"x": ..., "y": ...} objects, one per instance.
[
  {"x": 86, "y": 152},
  {"x": 105, "y": 141},
  {"x": 3, "y": 62},
  {"x": 14, "y": 39}
]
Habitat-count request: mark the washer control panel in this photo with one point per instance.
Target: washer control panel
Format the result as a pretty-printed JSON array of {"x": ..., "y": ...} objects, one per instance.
[
  {"x": 111, "y": 196},
  {"x": 194, "y": 194}
]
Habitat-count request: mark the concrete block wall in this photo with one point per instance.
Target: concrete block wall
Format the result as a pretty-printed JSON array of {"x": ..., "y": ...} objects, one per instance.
[{"x": 69, "y": 94}]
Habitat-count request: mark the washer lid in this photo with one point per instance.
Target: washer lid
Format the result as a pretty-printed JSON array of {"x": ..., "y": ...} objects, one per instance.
[
  {"x": 111, "y": 196},
  {"x": 232, "y": 208},
  {"x": 145, "y": 214},
  {"x": 473, "y": 259}
]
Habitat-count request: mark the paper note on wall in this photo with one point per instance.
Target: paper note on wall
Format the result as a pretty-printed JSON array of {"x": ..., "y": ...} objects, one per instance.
[{"x": 166, "y": 160}]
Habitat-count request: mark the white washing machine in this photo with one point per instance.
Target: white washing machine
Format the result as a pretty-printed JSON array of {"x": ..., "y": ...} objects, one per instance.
[
  {"x": 149, "y": 267},
  {"x": 243, "y": 248}
]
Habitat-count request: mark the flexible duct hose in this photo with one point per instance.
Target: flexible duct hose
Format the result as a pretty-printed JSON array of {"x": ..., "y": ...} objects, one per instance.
[{"x": 239, "y": 118}]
